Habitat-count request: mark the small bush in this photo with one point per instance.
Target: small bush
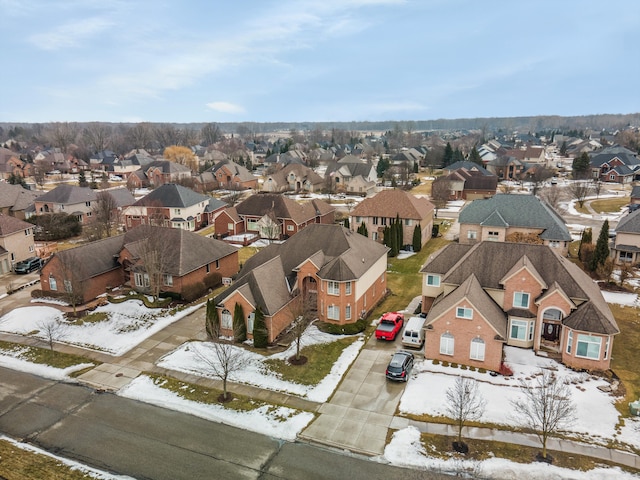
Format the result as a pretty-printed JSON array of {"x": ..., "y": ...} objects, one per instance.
[
  {"x": 482, "y": 370},
  {"x": 193, "y": 291},
  {"x": 436, "y": 362},
  {"x": 472, "y": 368},
  {"x": 348, "y": 329},
  {"x": 454, "y": 365},
  {"x": 463, "y": 367},
  {"x": 212, "y": 280},
  {"x": 445, "y": 364}
]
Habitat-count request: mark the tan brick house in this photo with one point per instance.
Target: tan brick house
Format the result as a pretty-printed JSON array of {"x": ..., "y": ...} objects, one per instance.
[
  {"x": 341, "y": 273},
  {"x": 16, "y": 242},
  {"x": 531, "y": 298}
]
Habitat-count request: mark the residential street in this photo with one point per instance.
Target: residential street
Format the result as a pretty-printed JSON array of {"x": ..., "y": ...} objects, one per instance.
[{"x": 146, "y": 442}]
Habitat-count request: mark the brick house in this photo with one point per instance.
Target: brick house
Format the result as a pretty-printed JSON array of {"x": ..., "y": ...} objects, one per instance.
[
  {"x": 228, "y": 174},
  {"x": 505, "y": 218},
  {"x": 341, "y": 273},
  {"x": 471, "y": 182},
  {"x": 16, "y": 201},
  {"x": 158, "y": 173},
  {"x": 379, "y": 211},
  {"x": 531, "y": 298},
  {"x": 293, "y": 177},
  {"x": 620, "y": 167},
  {"x": 16, "y": 242},
  {"x": 174, "y": 206},
  {"x": 115, "y": 261},
  {"x": 352, "y": 175},
  {"x": 272, "y": 216}
]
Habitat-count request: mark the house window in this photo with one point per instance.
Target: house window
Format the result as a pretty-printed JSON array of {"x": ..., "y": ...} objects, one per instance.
[
  {"x": 333, "y": 312},
  {"x": 446, "y": 344},
  {"x": 612, "y": 177},
  {"x": 521, "y": 300},
  {"x": 463, "y": 312},
  {"x": 250, "y": 319},
  {"x": 208, "y": 267},
  {"x": 383, "y": 220},
  {"x": 53, "y": 285},
  {"x": 333, "y": 288},
  {"x": 626, "y": 257},
  {"x": 519, "y": 329},
  {"x": 88, "y": 204},
  {"x": 141, "y": 279},
  {"x": 167, "y": 280},
  {"x": 289, "y": 228},
  {"x": 27, "y": 231},
  {"x": 374, "y": 236},
  {"x": 375, "y": 220},
  {"x": 570, "y": 342},
  {"x": 347, "y": 288},
  {"x": 252, "y": 225},
  {"x": 588, "y": 346},
  {"x": 230, "y": 227},
  {"x": 176, "y": 211},
  {"x": 472, "y": 235},
  {"x": 408, "y": 222},
  {"x": 433, "y": 280},
  {"x": 358, "y": 220},
  {"x": 31, "y": 249},
  {"x": 606, "y": 348},
  {"x": 477, "y": 349},
  {"x": 347, "y": 312},
  {"x": 493, "y": 235},
  {"x": 554, "y": 244},
  {"x": 217, "y": 264},
  {"x": 530, "y": 331},
  {"x": 226, "y": 320}
]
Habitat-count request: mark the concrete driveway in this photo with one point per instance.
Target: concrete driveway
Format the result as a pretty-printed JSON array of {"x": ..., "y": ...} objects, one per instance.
[{"x": 22, "y": 285}]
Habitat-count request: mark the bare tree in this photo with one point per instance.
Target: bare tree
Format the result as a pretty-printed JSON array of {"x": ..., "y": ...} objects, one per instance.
[
  {"x": 105, "y": 213},
  {"x": 303, "y": 312},
  {"x": 545, "y": 406},
  {"x": 96, "y": 136},
  {"x": 62, "y": 134},
  {"x": 140, "y": 135},
  {"x": 155, "y": 254},
  {"x": 440, "y": 193},
  {"x": 464, "y": 403},
  {"x": 210, "y": 134},
  {"x": 580, "y": 190},
  {"x": 223, "y": 359},
  {"x": 39, "y": 172},
  {"x": 553, "y": 196},
  {"x": 52, "y": 330},
  {"x": 72, "y": 271},
  {"x": 539, "y": 175}
]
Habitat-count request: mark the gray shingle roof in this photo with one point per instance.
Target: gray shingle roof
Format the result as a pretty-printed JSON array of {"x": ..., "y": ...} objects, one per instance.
[
  {"x": 69, "y": 194},
  {"x": 629, "y": 223},
  {"x": 525, "y": 211},
  {"x": 9, "y": 225},
  {"x": 172, "y": 195}
]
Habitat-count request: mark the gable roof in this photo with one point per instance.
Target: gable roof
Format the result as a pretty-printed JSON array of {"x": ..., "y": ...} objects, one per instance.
[
  {"x": 16, "y": 197},
  {"x": 122, "y": 196},
  {"x": 392, "y": 203},
  {"x": 629, "y": 223},
  {"x": 9, "y": 225},
  {"x": 93, "y": 258},
  {"x": 525, "y": 211},
  {"x": 237, "y": 170},
  {"x": 69, "y": 194},
  {"x": 280, "y": 206},
  {"x": 467, "y": 165},
  {"x": 167, "y": 166},
  {"x": 551, "y": 268},
  {"x": 172, "y": 195}
]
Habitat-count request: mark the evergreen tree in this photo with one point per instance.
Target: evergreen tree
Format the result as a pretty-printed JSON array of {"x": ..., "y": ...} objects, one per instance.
[
  {"x": 417, "y": 238},
  {"x": 447, "y": 158},
  {"x": 212, "y": 320},
  {"x": 383, "y": 166},
  {"x": 581, "y": 166},
  {"x": 82, "y": 179},
  {"x": 416, "y": 168},
  {"x": 563, "y": 149},
  {"x": 399, "y": 232},
  {"x": 587, "y": 238},
  {"x": 601, "y": 252},
  {"x": 239, "y": 327},
  {"x": 457, "y": 156},
  {"x": 474, "y": 156},
  {"x": 260, "y": 334},
  {"x": 362, "y": 230}
]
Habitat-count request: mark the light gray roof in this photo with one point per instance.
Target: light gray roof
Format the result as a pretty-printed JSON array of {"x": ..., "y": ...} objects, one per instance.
[
  {"x": 629, "y": 223},
  {"x": 525, "y": 211},
  {"x": 9, "y": 225},
  {"x": 69, "y": 195},
  {"x": 93, "y": 258},
  {"x": 122, "y": 196},
  {"x": 16, "y": 197}
]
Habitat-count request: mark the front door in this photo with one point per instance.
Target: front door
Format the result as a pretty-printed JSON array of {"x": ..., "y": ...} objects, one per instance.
[{"x": 551, "y": 332}]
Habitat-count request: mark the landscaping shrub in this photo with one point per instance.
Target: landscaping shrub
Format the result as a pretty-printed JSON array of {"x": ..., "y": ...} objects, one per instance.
[
  {"x": 239, "y": 327},
  {"x": 193, "y": 291},
  {"x": 348, "y": 329},
  {"x": 260, "y": 334},
  {"x": 482, "y": 370},
  {"x": 436, "y": 362},
  {"x": 212, "y": 281}
]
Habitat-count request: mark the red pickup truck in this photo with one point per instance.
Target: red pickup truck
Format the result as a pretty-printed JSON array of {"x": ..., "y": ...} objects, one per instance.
[{"x": 389, "y": 326}]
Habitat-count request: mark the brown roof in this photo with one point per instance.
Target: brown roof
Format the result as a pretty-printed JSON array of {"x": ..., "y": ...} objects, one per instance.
[
  {"x": 282, "y": 207},
  {"x": 392, "y": 203},
  {"x": 9, "y": 225}
]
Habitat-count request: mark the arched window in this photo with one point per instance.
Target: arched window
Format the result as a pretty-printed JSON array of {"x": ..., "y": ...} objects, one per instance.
[
  {"x": 552, "y": 314},
  {"x": 446, "y": 344},
  {"x": 226, "y": 320},
  {"x": 250, "y": 319},
  {"x": 477, "y": 349}
]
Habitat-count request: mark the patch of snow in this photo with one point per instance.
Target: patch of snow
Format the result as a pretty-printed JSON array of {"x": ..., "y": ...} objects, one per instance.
[{"x": 621, "y": 298}]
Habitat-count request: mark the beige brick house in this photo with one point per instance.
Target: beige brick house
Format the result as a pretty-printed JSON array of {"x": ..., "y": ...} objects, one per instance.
[
  {"x": 16, "y": 242},
  {"x": 481, "y": 297}
]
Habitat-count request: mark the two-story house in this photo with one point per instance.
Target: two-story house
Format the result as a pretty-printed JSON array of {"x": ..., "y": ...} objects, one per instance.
[
  {"x": 481, "y": 297},
  {"x": 272, "y": 216},
  {"x": 615, "y": 167},
  {"x": 626, "y": 246},
  {"x": 16, "y": 242},
  {"x": 16, "y": 201},
  {"x": 293, "y": 177},
  {"x": 70, "y": 199},
  {"x": 232, "y": 176},
  {"x": 174, "y": 206},
  {"x": 388, "y": 205},
  {"x": 340, "y": 273},
  {"x": 513, "y": 218},
  {"x": 352, "y": 175}
]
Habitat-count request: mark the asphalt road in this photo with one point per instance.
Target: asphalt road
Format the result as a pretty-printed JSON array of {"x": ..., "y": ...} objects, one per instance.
[{"x": 127, "y": 437}]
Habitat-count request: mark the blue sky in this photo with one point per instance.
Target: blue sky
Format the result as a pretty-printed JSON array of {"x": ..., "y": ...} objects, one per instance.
[{"x": 316, "y": 60}]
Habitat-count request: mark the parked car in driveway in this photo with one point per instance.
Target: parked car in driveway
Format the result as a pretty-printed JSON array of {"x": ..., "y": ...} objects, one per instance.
[
  {"x": 400, "y": 366},
  {"x": 389, "y": 326},
  {"x": 29, "y": 265}
]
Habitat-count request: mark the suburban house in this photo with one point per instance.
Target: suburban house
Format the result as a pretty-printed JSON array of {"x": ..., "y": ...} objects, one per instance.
[
  {"x": 174, "y": 206},
  {"x": 352, "y": 175},
  {"x": 615, "y": 167},
  {"x": 11, "y": 164},
  {"x": 272, "y": 216},
  {"x": 78, "y": 201},
  {"x": 481, "y": 297},
  {"x": 471, "y": 182},
  {"x": 385, "y": 207},
  {"x": 16, "y": 242},
  {"x": 92, "y": 269},
  {"x": 339, "y": 273},
  {"x": 528, "y": 154},
  {"x": 635, "y": 195},
  {"x": 626, "y": 246},
  {"x": 294, "y": 177},
  {"x": 229, "y": 175},
  {"x": 16, "y": 201},
  {"x": 514, "y": 218},
  {"x": 158, "y": 173},
  {"x": 506, "y": 167}
]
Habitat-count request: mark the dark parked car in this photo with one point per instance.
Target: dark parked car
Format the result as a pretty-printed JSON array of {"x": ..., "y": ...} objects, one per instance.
[
  {"x": 400, "y": 366},
  {"x": 29, "y": 265}
]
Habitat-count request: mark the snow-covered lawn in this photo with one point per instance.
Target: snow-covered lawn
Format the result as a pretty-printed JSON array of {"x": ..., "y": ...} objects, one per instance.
[
  {"x": 274, "y": 421},
  {"x": 406, "y": 449},
  {"x": 499, "y": 391},
  {"x": 126, "y": 325},
  {"x": 185, "y": 359}
]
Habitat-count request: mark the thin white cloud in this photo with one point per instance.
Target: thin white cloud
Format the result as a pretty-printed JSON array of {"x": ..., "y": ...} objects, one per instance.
[
  {"x": 71, "y": 34},
  {"x": 225, "y": 107}
]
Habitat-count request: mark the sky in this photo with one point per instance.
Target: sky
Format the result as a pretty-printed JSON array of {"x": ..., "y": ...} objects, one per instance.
[{"x": 315, "y": 60}]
